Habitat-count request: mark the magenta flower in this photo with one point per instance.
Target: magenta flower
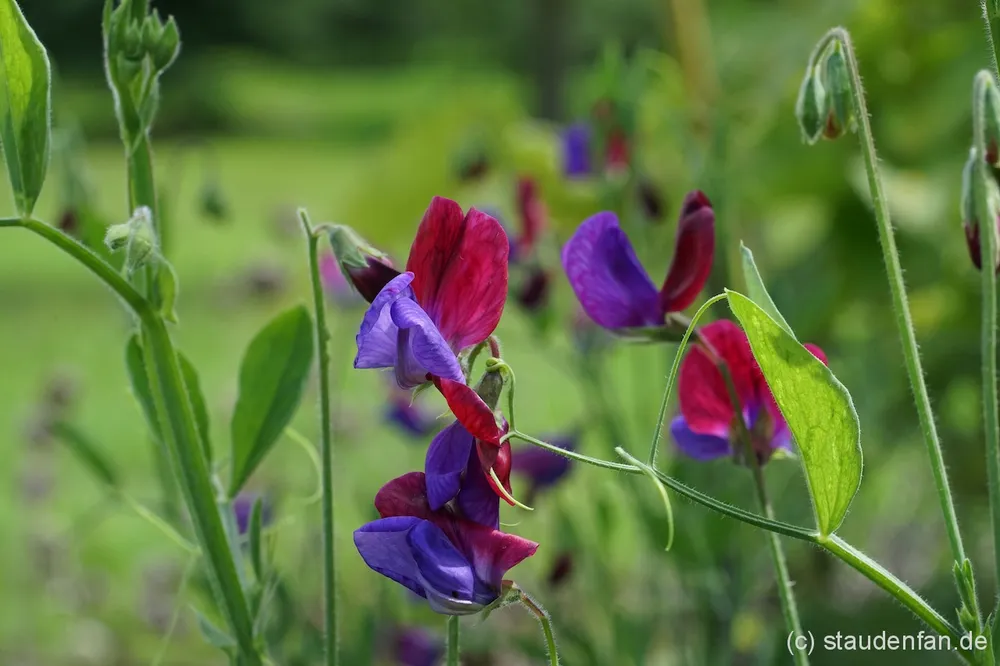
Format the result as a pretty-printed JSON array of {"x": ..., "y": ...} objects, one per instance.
[
  {"x": 612, "y": 285},
  {"x": 461, "y": 456},
  {"x": 450, "y": 298},
  {"x": 456, "y": 564},
  {"x": 705, "y": 428}
]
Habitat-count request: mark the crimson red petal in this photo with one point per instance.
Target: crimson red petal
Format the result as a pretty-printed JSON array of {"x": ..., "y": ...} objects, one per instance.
[
  {"x": 404, "y": 496},
  {"x": 704, "y": 396},
  {"x": 470, "y": 410},
  {"x": 460, "y": 271},
  {"x": 499, "y": 459},
  {"x": 693, "y": 254}
]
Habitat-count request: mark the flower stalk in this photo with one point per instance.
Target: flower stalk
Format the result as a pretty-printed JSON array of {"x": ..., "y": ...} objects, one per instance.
[
  {"x": 453, "y": 646},
  {"x": 331, "y": 636}
]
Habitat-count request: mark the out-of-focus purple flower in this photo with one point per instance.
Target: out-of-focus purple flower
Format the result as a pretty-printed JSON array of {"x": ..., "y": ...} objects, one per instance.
[
  {"x": 614, "y": 288},
  {"x": 454, "y": 563},
  {"x": 335, "y": 285},
  {"x": 243, "y": 508},
  {"x": 533, "y": 293},
  {"x": 576, "y": 150},
  {"x": 402, "y": 412},
  {"x": 415, "y": 646},
  {"x": 542, "y": 468},
  {"x": 704, "y": 429}
]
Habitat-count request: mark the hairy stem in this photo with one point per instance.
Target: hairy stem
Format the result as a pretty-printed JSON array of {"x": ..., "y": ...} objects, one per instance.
[
  {"x": 545, "y": 620},
  {"x": 326, "y": 449},
  {"x": 897, "y": 288},
  {"x": 988, "y": 29}
]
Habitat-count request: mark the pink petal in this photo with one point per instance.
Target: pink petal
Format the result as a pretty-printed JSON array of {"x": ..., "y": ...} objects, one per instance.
[
  {"x": 704, "y": 396},
  {"x": 492, "y": 552},
  {"x": 470, "y": 410},
  {"x": 460, "y": 268},
  {"x": 693, "y": 254}
]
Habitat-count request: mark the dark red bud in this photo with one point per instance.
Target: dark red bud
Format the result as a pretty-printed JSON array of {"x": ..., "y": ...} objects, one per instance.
[
  {"x": 562, "y": 568},
  {"x": 534, "y": 292},
  {"x": 69, "y": 222},
  {"x": 618, "y": 151},
  {"x": 651, "y": 201},
  {"x": 369, "y": 281}
]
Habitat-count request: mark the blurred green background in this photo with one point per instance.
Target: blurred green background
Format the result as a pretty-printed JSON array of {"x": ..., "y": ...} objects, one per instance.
[{"x": 361, "y": 112}]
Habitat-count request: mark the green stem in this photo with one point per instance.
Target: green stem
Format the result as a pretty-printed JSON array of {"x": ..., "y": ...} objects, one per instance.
[
  {"x": 989, "y": 38},
  {"x": 545, "y": 620},
  {"x": 326, "y": 449},
  {"x": 841, "y": 549},
  {"x": 453, "y": 649},
  {"x": 788, "y": 606},
  {"x": 180, "y": 433},
  {"x": 988, "y": 238},
  {"x": 904, "y": 322}
]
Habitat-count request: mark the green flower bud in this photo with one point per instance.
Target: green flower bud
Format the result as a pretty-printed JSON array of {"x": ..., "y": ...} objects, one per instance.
[
  {"x": 991, "y": 124},
  {"x": 840, "y": 105},
  {"x": 972, "y": 187},
  {"x": 117, "y": 236},
  {"x": 364, "y": 266},
  {"x": 490, "y": 387},
  {"x": 169, "y": 45},
  {"x": 152, "y": 32},
  {"x": 128, "y": 68},
  {"x": 810, "y": 108},
  {"x": 137, "y": 237},
  {"x": 131, "y": 45}
]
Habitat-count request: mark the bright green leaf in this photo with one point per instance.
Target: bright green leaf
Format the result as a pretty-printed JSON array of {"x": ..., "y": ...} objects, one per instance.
[
  {"x": 272, "y": 378},
  {"x": 197, "y": 403},
  {"x": 757, "y": 290},
  {"x": 25, "y": 103},
  {"x": 817, "y": 407}
]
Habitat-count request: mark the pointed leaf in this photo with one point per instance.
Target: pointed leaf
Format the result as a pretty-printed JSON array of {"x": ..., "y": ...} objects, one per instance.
[
  {"x": 272, "y": 378},
  {"x": 25, "y": 103},
  {"x": 757, "y": 290},
  {"x": 817, "y": 407},
  {"x": 197, "y": 402}
]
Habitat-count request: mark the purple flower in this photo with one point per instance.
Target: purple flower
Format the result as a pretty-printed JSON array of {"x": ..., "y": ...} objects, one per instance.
[
  {"x": 415, "y": 646},
  {"x": 612, "y": 285},
  {"x": 542, "y": 468},
  {"x": 456, "y": 564},
  {"x": 704, "y": 429},
  {"x": 450, "y": 298},
  {"x": 243, "y": 508},
  {"x": 402, "y": 412},
  {"x": 576, "y": 150}
]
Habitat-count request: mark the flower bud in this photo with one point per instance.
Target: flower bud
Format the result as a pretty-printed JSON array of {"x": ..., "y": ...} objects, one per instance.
[
  {"x": 128, "y": 68},
  {"x": 152, "y": 31},
  {"x": 167, "y": 47},
  {"x": 840, "y": 105},
  {"x": 137, "y": 237},
  {"x": 810, "y": 108},
  {"x": 991, "y": 124},
  {"x": 490, "y": 387},
  {"x": 131, "y": 44},
  {"x": 972, "y": 184},
  {"x": 367, "y": 268}
]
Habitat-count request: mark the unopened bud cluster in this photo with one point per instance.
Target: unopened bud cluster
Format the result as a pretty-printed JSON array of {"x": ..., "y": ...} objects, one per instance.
[
  {"x": 132, "y": 38},
  {"x": 825, "y": 107}
]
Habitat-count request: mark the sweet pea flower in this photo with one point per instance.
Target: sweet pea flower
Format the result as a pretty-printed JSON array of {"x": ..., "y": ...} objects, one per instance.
[
  {"x": 450, "y": 298},
  {"x": 456, "y": 564},
  {"x": 612, "y": 285},
  {"x": 705, "y": 428},
  {"x": 415, "y": 646},
  {"x": 576, "y": 150},
  {"x": 461, "y": 457}
]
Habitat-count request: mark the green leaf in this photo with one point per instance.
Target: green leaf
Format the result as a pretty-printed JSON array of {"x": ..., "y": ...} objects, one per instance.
[
  {"x": 88, "y": 453},
  {"x": 139, "y": 378},
  {"x": 197, "y": 403},
  {"x": 215, "y": 636},
  {"x": 757, "y": 290},
  {"x": 817, "y": 407},
  {"x": 256, "y": 532},
  {"x": 272, "y": 379},
  {"x": 25, "y": 104}
]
